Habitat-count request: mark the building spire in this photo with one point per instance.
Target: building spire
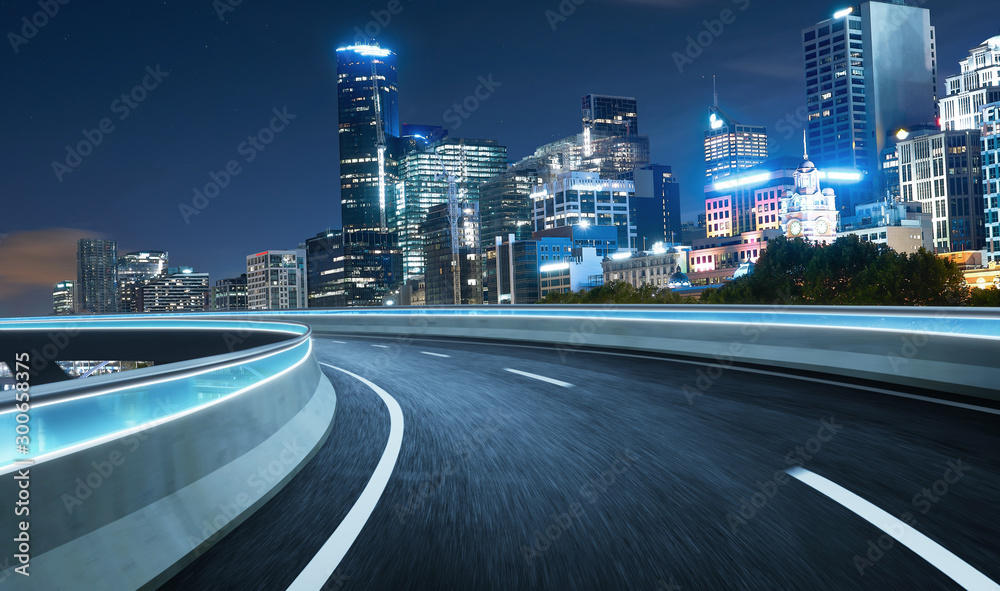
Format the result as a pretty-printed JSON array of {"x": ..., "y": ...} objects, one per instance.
[
  {"x": 805, "y": 146},
  {"x": 715, "y": 92}
]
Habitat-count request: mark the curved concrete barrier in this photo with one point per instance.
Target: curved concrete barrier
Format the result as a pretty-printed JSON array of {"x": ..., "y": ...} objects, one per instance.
[{"x": 205, "y": 443}]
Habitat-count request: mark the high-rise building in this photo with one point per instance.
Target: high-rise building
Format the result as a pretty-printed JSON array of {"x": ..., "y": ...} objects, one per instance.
[
  {"x": 584, "y": 197},
  {"x": 603, "y": 240},
  {"x": 517, "y": 277},
  {"x": 418, "y": 137},
  {"x": 656, "y": 206},
  {"x": 442, "y": 243},
  {"x": 96, "y": 276},
  {"x": 230, "y": 294},
  {"x": 991, "y": 178},
  {"x": 943, "y": 171},
  {"x": 178, "y": 290},
  {"x": 731, "y": 147},
  {"x": 606, "y": 116},
  {"x": 808, "y": 211},
  {"x": 611, "y": 144},
  {"x": 135, "y": 269},
  {"x": 62, "y": 298},
  {"x": 870, "y": 70},
  {"x": 325, "y": 270},
  {"x": 425, "y": 179},
  {"x": 276, "y": 280},
  {"x": 367, "y": 101},
  {"x": 373, "y": 264},
  {"x": 977, "y": 85}
]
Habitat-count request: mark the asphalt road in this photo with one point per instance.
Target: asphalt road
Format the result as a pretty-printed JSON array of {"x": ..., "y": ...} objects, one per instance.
[{"x": 618, "y": 478}]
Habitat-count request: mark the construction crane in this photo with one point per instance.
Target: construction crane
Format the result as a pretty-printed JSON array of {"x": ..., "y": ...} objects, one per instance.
[
  {"x": 454, "y": 212},
  {"x": 380, "y": 148}
]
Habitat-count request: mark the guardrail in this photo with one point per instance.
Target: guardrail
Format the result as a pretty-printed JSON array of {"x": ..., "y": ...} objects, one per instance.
[
  {"x": 951, "y": 350},
  {"x": 133, "y": 475}
]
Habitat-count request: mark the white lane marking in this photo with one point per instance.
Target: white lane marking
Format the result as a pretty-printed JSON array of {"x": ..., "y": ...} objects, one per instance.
[
  {"x": 538, "y": 377},
  {"x": 381, "y": 346},
  {"x": 321, "y": 567},
  {"x": 339, "y": 342},
  {"x": 928, "y": 549},
  {"x": 435, "y": 354}
]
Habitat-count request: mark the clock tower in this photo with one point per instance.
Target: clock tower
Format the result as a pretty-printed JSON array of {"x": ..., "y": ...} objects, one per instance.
[{"x": 808, "y": 212}]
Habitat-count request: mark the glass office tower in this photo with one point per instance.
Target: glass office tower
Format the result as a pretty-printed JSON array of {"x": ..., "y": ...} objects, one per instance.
[
  {"x": 96, "y": 276},
  {"x": 870, "y": 71},
  {"x": 135, "y": 269},
  {"x": 360, "y": 174}
]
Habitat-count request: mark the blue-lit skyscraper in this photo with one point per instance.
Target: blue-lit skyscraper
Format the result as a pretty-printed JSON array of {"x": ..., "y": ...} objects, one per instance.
[{"x": 366, "y": 184}]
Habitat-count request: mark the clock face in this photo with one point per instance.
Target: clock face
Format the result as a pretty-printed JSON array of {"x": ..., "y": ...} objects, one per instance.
[
  {"x": 822, "y": 226},
  {"x": 795, "y": 228}
]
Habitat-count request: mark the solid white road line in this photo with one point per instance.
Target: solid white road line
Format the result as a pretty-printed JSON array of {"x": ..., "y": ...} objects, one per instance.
[
  {"x": 321, "y": 567},
  {"x": 928, "y": 549},
  {"x": 538, "y": 377},
  {"x": 435, "y": 354}
]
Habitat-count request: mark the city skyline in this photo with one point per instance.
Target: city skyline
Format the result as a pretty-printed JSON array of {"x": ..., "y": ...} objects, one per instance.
[{"x": 221, "y": 126}]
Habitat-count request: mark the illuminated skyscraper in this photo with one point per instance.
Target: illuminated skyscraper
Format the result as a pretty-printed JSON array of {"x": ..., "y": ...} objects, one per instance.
[
  {"x": 62, "y": 298},
  {"x": 366, "y": 184},
  {"x": 439, "y": 253},
  {"x": 180, "y": 289},
  {"x": 96, "y": 276},
  {"x": 870, "y": 70},
  {"x": 731, "y": 146},
  {"x": 976, "y": 86},
  {"x": 135, "y": 269},
  {"x": 276, "y": 280},
  {"x": 991, "y": 178}
]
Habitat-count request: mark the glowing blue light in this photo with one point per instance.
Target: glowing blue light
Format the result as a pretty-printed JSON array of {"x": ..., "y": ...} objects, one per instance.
[{"x": 367, "y": 50}]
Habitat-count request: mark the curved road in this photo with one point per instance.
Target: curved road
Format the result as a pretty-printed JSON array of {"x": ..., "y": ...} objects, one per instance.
[{"x": 622, "y": 472}]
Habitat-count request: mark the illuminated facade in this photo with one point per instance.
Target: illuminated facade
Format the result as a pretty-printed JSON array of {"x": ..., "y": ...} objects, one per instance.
[
  {"x": 180, "y": 291},
  {"x": 715, "y": 260},
  {"x": 62, "y": 298},
  {"x": 439, "y": 280},
  {"x": 230, "y": 294},
  {"x": 731, "y": 147},
  {"x": 943, "y": 171},
  {"x": 276, "y": 280},
  {"x": 584, "y": 197},
  {"x": 364, "y": 184},
  {"x": 991, "y": 179},
  {"x": 424, "y": 184},
  {"x": 903, "y": 227},
  {"x": 135, "y": 269},
  {"x": 871, "y": 69},
  {"x": 645, "y": 268},
  {"x": 807, "y": 211},
  {"x": 96, "y": 276},
  {"x": 978, "y": 85}
]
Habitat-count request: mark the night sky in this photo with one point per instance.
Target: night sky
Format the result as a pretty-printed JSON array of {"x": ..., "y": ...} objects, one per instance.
[{"x": 225, "y": 76}]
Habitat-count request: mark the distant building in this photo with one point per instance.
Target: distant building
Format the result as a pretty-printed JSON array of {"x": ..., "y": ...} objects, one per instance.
[
  {"x": 603, "y": 239},
  {"x": 943, "y": 171},
  {"x": 373, "y": 264},
  {"x": 180, "y": 291},
  {"x": 62, "y": 298},
  {"x": 441, "y": 246},
  {"x": 135, "y": 269},
  {"x": 715, "y": 260},
  {"x": 656, "y": 206},
  {"x": 424, "y": 183},
  {"x": 731, "y": 147},
  {"x": 505, "y": 207},
  {"x": 230, "y": 294},
  {"x": 645, "y": 268},
  {"x": 976, "y": 86},
  {"x": 96, "y": 276},
  {"x": 870, "y": 69},
  {"x": 417, "y": 137},
  {"x": 581, "y": 271},
  {"x": 612, "y": 146},
  {"x": 276, "y": 280},
  {"x": 902, "y": 226},
  {"x": 584, "y": 197},
  {"x": 325, "y": 270},
  {"x": 991, "y": 179},
  {"x": 517, "y": 278},
  {"x": 807, "y": 211}
]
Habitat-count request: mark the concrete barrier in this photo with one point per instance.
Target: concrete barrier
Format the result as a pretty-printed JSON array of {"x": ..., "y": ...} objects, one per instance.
[{"x": 130, "y": 510}]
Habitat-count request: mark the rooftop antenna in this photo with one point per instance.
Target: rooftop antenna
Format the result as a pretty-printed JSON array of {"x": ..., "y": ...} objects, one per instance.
[
  {"x": 805, "y": 146},
  {"x": 715, "y": 92}
]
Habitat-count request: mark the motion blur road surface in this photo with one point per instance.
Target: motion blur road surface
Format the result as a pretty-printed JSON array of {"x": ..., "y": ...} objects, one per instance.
[{"x": 616, "y": 477}]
